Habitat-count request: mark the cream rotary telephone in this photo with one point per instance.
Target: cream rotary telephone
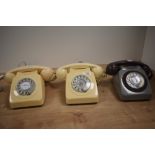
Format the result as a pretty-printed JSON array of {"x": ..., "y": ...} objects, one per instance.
[
  {"x": 27, "y": 85},
  {"x": 81, "y": 86}
]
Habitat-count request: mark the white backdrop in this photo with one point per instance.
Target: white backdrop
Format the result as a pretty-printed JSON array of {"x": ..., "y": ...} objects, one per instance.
[
  {"x": 149, "y": 47},
  {"x": 56, "y": 46}
]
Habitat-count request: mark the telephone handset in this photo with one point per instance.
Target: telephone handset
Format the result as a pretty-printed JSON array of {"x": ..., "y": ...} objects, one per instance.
[
  {"x": 114, "y": 67},
  {"x": 27, "y": 85},
  {"x": 131, "y": 79},
  {"x": 81, "y": 84}
]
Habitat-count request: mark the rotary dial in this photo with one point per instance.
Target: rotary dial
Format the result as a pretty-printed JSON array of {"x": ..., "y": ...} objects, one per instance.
[
  {"x": 81, "y": 83},
  {"x": 135, "y": 80},
  {"x": 25, "y": 87}
]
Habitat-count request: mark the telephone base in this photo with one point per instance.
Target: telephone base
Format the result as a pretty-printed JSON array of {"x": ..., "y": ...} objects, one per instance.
[
  {"x": 82, "y": 101},
  {"x": 74, "y": 96},
  {"x": 26, "y": 104},
  {"x": 126, "y": 94},
  {"x": 34, "y": 96}
]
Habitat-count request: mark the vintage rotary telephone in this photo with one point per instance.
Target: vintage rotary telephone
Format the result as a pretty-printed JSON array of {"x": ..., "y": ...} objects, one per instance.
[
  {"x": 131, "y": 79},
  {"x": 81, "y": 86},
  {"x": 27, "y": 85}
]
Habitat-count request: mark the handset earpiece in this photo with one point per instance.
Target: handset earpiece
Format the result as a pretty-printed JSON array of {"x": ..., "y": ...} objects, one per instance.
[
  {"x": 98, "y": 71},
  {"x": 47, "y": 74},
  {"x": 61, "y": 74},
  {"x": 147, "y": 70},
  {"x": 9, "y": 76},
  {"x": 112, "y": 69}
]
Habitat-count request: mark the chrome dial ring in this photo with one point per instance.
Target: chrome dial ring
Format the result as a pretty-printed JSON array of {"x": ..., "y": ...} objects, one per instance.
[{"x": 134, "y": 81}]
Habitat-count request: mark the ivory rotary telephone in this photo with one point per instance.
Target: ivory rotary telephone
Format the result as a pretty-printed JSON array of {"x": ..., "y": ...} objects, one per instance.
[
  {"x": 27, "y": 85},
  {"x": 81, "y": 86}
]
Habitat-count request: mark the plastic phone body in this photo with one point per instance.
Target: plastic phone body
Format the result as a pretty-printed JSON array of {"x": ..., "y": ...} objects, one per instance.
[
  {"x": 81, "y": 86},
  {"x": 125, "y": 92},
  {"x": 131, "y": 79},
  {"x": 27, "y": 85}
]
